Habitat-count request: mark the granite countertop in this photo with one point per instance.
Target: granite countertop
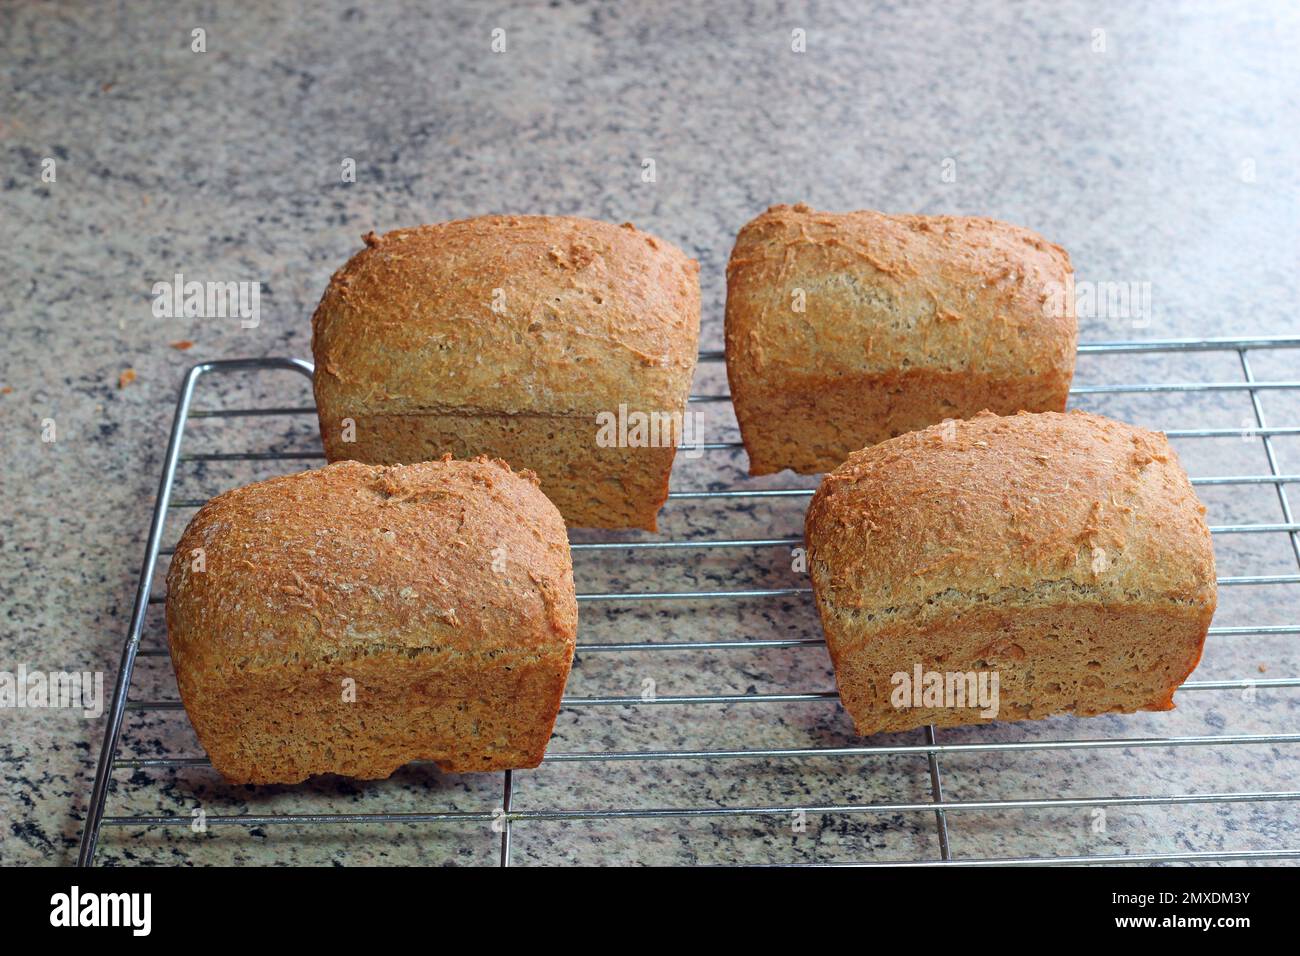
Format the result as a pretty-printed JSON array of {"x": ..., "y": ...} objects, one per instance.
[{"x": 1157, "y": 145}]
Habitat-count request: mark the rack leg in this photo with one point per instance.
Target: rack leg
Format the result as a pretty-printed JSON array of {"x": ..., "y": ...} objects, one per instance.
[
  {"x": 113, "y": 733},
  {"x": 506, "y": 794},
  {"x": 936, "y": 791}
]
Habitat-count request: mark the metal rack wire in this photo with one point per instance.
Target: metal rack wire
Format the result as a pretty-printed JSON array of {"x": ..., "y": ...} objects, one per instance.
[{"x": 932, "y": 749}]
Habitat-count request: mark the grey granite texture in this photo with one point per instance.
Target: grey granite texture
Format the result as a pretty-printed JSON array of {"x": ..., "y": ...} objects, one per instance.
[{"x": 1161, "y": 151}]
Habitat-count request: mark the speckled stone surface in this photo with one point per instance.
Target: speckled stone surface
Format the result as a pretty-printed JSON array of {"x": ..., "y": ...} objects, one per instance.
[{"x": 1160, "y": 150}]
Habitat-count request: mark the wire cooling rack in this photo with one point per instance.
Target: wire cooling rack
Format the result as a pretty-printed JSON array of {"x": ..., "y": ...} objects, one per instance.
[{"x": 895, "y": 833}]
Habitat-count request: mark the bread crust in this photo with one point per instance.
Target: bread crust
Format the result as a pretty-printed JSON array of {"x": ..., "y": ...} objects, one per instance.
[
  {"x": 499, "y": 319},
  {"x": 442, "y": 590},
  {"x": 931, "y": 548},
  {"x": 908, "y": 319}
]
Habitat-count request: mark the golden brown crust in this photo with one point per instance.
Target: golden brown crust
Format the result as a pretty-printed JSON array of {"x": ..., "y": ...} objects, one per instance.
[
  {"x": 864, "y": 303},
  {"x": 1046, "y": 514},
  {"x": 544, "y": 317},
  {"x": 452, "y": 574}
]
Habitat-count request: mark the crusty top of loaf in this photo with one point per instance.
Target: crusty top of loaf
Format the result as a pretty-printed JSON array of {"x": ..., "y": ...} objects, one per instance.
[
  {"x": 464, "y": 557},
  {"x": 883, "y": 293},
  {"x": 1094, "y": 509},
  {"x": 541, "y": 314}
]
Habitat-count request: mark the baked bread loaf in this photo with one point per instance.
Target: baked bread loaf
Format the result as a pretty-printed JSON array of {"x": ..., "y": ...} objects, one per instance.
[
  {"x": 844, "y": 330},
  {"x": 507, "y": 336},
  {"x": 357, "y": 617},
  {"x": 1066, "y": 554}
]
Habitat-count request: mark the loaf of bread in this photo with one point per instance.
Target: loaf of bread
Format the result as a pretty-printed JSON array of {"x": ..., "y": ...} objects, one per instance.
[
  {"x": 354, "y": 618},
  {"x": 844, "y": 330},
  {"x": 1061, "y": 562},
  {"x": 520, "y": 337}
]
